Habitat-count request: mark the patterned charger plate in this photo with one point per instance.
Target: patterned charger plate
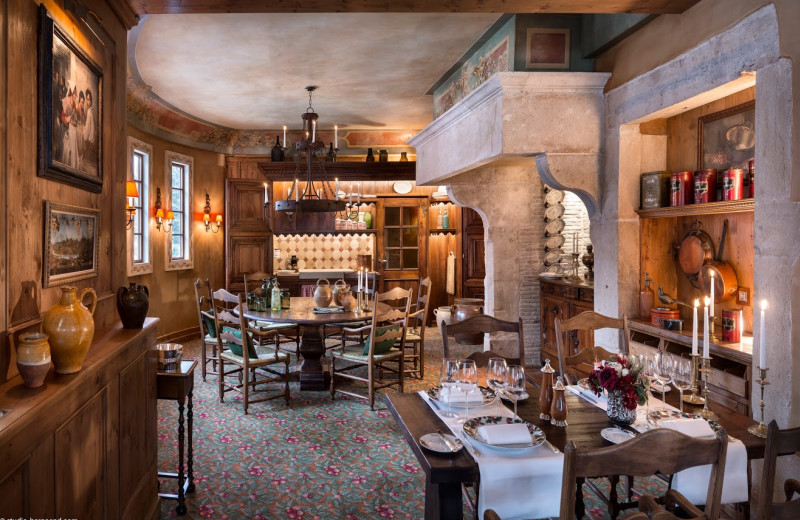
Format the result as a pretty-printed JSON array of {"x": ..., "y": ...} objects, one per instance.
[
  {"x": 486, "y": 393},
  {"x": 471, "y": 429}
]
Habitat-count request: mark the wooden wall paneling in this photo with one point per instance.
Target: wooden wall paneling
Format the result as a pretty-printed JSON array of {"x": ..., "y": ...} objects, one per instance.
[
  {"x": 27, "y": 491},
  {"x": 245, "y": 207},
  {"x": 473, "y": 255},
  {"x": 4, "y": 358},
  {"x": 659, "y": 256},
  {"x": 248, "y": 238},
  {"x": 246, "y": 254}
]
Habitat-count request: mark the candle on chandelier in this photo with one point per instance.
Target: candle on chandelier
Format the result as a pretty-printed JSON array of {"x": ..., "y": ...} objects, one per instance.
[
  {"x": 284, "y": 136},
  {"x": 694, "y": 327},
  {"x": 266, "y": 195},
  {"x": 705, "y": 328},
  {"x": 296, "y": 191},
  {"x": 336, "y": 189},
  {"x": 336, "y": 137},
  {"x": 762, "y": 350},
  {"x": 313, "y": 131}
]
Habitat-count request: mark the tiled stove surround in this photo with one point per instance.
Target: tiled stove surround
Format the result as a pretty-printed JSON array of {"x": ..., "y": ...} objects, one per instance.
[{"x": 323, "y": 251}]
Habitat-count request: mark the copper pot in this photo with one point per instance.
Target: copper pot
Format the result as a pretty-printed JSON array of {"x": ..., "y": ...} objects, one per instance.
[
  {"x": 466, "y": 308},
  {"x": 696, "y": 250},
  {"x": 725, "y": 282}
]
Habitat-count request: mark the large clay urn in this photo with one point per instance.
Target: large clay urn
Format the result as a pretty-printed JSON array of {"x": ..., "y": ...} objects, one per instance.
[
  {"x": 466, "y": 308},
  {"x": 132, "y": 305},
  {"x": 339, "y": 288},
  {"x": 323, "y": 295},
  {"x": 70, "y": 327}
]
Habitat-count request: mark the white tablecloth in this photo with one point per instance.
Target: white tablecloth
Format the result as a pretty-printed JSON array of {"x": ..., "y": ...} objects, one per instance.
[{"x": 518, "y": 484}]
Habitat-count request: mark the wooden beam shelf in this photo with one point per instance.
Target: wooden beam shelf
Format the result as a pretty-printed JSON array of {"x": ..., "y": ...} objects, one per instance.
[
  {"x": 711, "y": 208},
  {"x": 344, "y": 171}
]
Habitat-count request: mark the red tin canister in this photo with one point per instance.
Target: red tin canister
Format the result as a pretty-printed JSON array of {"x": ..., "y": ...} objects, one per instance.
[
  {"x": 732, "y": 326},
  {"x": 659, "y": 314},
  {"x": 705, "y": 186},
  {"x": 732, "y": 184},
  {"x": 752, "y": 166},
  {"x": 681, "y": 191}
]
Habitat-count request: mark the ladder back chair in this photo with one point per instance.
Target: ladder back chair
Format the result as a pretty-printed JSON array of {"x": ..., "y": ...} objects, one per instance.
[
  {"x": 486, "y": 325},
  {"x": 209, "y": 340},
  {"x": 287, "y": 332},
  {"x": 779, "y": 442},
  {"x": 253, "y": 362},
  {"x": 415, "y": 336},
  {"x": 567, "y": 344},
  {"x": 376, "y": 354}
]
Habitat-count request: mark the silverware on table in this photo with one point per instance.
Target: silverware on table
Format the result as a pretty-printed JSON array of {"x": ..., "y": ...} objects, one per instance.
[
  {"x": 448, "y": 442},
  {"x": 552, "y": 448},
  {"x": 434, "y": 404}
]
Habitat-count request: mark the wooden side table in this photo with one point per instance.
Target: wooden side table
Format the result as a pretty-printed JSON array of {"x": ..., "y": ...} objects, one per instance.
[{"x": 178, "y": 386}]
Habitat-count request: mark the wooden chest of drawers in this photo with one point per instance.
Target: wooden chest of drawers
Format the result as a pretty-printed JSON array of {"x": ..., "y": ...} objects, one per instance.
[{"x": 563, "y": 300}]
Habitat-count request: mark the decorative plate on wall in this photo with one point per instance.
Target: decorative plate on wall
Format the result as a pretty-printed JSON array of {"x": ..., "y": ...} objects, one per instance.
[
  {"x": 553, "y": 197},
  {"x": 402, "y": 187},
  {"x": 553, "y": 212},
  {"x": 553, "y": 228},
  {"x": 552, "y": 257},
  {"x": 554, "y": 242}
]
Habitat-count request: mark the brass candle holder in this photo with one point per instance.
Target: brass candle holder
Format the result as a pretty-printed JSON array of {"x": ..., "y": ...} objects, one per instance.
[
  {"x": 364, "y": 301},
  {"x": 706, "y": 413},
  {"x": 760, "y": 429},
  {"x": 694, "y": 398}
]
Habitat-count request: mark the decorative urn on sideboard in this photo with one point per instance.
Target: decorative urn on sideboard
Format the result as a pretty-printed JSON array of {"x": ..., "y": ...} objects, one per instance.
[
  {"x": 588, "y": 261},
  {"x": 132, "y": 304},
  {"x": 70, "y": 327}
]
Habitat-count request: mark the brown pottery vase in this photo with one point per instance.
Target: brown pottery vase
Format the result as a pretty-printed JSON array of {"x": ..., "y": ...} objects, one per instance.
[
  {"x": 323, "y": 295},
  {"x": 348, "y": 302},
  {"x": 33, "y": 358},
  {"x": 132, "y": 305},
  {"x": 70, "y": 327},
  {"x": 466, "y": 308}
]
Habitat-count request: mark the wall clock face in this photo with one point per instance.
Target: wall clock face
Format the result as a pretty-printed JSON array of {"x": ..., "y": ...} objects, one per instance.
[
  {"x": 553, "y": 197},
  {"x": 554, "y": 242},
  {"x": 553, "y": 212},
  {"x": 554, "y": 227}
]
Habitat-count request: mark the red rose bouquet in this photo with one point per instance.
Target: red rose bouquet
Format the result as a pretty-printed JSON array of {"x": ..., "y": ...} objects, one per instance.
[{"x": 618, "y": 373}]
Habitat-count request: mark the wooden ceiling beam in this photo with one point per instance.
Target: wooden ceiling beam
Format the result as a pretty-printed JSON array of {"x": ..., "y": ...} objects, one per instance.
[{"x": 411, "y": 6}]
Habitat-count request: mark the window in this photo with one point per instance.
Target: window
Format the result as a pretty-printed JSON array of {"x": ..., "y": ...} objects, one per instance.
[
  {"x": 179, "y": 181},
  {"x": 402, "y": 237},
  {"x": 139, "y": 166}
]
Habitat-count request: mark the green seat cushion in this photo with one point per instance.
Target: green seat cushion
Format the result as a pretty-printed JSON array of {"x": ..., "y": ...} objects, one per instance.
[
  {"x": 385, "y": 339},
  {"x": 237, "y": 349},
  {"x": 211, "y": 326}
]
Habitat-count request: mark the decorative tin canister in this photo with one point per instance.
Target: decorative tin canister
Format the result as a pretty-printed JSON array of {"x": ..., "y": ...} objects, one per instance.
[
  {"x": 752, "y": 167},
  {"x": 705, "y": 186},
  {"x": 732, "y": 184},
  {"x": 660, "y": 314},
  {"x": 681, "y": 190},
  {"x": 732, "y": 326},
  {"x": 655, "y": 190}
]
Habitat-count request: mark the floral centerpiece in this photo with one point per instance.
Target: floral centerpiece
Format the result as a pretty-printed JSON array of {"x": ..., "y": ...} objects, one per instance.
[{"x": 622, "y": 378}]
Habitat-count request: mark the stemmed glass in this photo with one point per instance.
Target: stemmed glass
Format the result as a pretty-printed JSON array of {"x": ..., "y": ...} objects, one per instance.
[
  {"x": 496, "y": 377},
  {"x": 647, "y": 369},
  {"x": 682, "y": 377},
  {"x": 662, "y": 363},
  {"x": 516, "y": 385},
  {"x": 448, "y": 378},
  {"x": 467, "y": 380}
]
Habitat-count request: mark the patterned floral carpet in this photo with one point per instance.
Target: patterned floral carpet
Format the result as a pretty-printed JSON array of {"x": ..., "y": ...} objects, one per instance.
[{"x": 316, "y": 459}]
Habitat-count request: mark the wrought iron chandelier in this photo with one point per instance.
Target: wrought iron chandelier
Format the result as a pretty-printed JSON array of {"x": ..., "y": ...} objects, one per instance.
[{"x": 317, "y": 196}]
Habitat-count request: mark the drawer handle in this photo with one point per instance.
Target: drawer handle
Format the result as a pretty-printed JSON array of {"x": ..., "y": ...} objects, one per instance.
[{"x": 555, "y": 310}]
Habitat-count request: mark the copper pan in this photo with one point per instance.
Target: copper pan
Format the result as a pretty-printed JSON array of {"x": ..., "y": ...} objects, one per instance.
[
  {"x": 696, "y": 250},
  {"x": 725, "y": 282}
]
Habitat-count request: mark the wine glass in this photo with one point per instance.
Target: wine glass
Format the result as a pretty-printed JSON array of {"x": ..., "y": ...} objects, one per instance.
[
  {"x": 496, "y": 376},
  {"x": 647, "y": 370},
  {"x": 467, "y": 379},
  {"x": 662, "y": 362},
  {"x": 682, "y": 377},
  {"x": 448, "y": 379},
  {"x": 516, "y": 385}
]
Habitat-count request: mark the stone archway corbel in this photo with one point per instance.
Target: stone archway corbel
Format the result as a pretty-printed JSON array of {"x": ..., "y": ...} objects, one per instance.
[{"x": 573, "y": 172}]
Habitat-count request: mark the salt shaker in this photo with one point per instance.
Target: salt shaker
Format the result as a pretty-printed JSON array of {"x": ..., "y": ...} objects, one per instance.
[
  {"x": 558, "y": 410},
  {"x": 546, "y": 394}
]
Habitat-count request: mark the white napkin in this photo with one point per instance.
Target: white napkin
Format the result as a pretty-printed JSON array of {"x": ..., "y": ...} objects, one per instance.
[
  {"x": 456, "y": 396},
  {"x": 515, "y": 433},
  {"x": 697, "y": 428}
]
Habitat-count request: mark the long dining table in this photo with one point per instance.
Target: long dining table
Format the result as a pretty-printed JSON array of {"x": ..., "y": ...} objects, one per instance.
[{"x": 445, "y": 473}]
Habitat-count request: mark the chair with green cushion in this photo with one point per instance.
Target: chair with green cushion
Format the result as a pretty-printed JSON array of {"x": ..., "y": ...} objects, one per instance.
[
  {"x": 208, "y": 330},
  {"x": 415, "y": 336},
  {"x": 255, "y": 362},
  {"x": 375, "y": 355},
  {"x": 288, "y": 333}
]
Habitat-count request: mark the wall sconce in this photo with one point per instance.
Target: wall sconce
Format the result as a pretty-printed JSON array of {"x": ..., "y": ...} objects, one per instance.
[
  {"x": 131, "y": 192},
  {"x": 207, "y": 217},
  {"x": 160, "y": 215}
]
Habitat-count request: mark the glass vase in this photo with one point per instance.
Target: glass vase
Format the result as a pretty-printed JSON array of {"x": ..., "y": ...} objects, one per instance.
[{"x": 616, "y": 409}]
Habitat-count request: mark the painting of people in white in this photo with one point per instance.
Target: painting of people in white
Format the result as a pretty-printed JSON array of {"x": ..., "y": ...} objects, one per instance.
[{"x": 71, "y": 243}]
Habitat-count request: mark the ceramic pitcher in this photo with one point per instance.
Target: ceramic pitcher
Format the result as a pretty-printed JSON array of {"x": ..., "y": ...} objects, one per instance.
[
  {"x": 323, "y": 294},
  {"x": 132, "y": 305},
  {"x": 70, "y": 327},
  {"x": 33, "y": 358}
]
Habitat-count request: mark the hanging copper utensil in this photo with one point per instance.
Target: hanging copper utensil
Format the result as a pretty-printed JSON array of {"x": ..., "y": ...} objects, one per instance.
[{"x": 725, "y": 281}]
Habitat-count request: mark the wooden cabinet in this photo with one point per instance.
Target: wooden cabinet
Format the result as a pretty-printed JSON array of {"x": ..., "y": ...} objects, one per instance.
[
  {"x": 248, "y": 238},
  {"x": 563, "y": 300},
  {"x": 473, "y": 255},
  {"x": 84, "y": 445}
]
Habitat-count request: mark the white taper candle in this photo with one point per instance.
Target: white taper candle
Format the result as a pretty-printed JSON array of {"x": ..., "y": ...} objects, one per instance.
[
  {"x": 762, "y": 350},
  {"x": 713, "y": 279},
  {"x": 705, "y": 329},
  {"x": 694, "y": 327}
]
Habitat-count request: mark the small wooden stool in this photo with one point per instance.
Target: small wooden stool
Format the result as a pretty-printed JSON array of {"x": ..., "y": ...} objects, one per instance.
[{"x": 178, "y": 386}]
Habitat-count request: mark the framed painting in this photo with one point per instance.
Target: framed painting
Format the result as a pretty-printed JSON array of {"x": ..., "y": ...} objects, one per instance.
[
  {"x": 727, "y": 139},
  {"x": 70, "y": 101},
  {"x": 70, "y": 243},
  {"x": 547, "y": 49}
]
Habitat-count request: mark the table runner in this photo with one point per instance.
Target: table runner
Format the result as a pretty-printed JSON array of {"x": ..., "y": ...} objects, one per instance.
[
  {"x": 517, "y": 485},
  {"x": 693, "y": 482}
]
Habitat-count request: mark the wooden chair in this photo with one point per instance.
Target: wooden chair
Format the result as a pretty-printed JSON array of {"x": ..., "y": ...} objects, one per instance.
[
  {"x": 287, "y": 332},
  {"x": 568, "y": 353},
  {"x": 335, "y": 331},
  {"x": 384, "y": 331},
  {"x": 415, "y": 337},
  {"x": 255, "y": 365},
  {"x": 208, "y": 331},
  {"x": 486, "y": 325},
  {"x": 779, "y": 442}
]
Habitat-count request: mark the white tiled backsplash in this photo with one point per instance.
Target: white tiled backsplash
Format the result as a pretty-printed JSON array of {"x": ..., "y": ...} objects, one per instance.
[{"x": 322, "y": 251}]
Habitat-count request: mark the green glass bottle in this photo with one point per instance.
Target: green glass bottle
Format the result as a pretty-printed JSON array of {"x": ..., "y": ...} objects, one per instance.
[
  {"x": 368, "y": 219},
  {"x": 276, "y": 297},
  {"x": 445, "y": 220}
]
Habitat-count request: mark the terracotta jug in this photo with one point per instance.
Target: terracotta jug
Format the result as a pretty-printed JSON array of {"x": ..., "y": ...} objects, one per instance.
[
  {"x": 546, "y": 393},
  {"x": 466, "y": 308},
  {"x": 339, "y": 288},
  {"x": 70, "y": 327},
  {"x": 323, "y": 294},
  {"x": 132, "y": 305},
  {"x": 33, "y": 358},
  {"x": 348, "y": 303}
]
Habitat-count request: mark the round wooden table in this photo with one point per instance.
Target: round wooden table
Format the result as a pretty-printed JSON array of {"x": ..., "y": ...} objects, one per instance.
[{"x": 312, "y": 344}]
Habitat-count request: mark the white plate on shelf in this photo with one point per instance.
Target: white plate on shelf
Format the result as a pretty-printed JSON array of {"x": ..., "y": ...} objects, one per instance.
[
  {"x": 402, "y": 187},
  {"x": 434, "y": 442},
  {"x": 616, "y": 435}
]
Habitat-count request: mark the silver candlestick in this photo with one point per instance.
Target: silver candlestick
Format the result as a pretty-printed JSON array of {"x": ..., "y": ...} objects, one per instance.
[
  {"x": 706, "y": 413},
  {"x": 760, "y": 429},
  {"x": 693, "y": 398}
]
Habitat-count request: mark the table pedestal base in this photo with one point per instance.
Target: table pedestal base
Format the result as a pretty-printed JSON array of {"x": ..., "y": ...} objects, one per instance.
[{"x": 312, "y": 347}]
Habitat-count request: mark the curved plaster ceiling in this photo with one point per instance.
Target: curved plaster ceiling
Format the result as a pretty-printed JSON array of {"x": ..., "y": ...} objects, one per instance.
[{"x": 249, "y": 71}]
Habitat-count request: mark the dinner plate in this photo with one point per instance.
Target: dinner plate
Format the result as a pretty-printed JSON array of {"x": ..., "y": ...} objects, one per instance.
[
  {"x": 554, "y": 242},
  {"x": 616, "y": 435},
  {"x": 402, "y": 187},
  {"x": 434, "y": 442},
  {"x": 471, "y": 430},
  {"x": 553, "y": 212},
  {"x": 487, "y": 393},
  {"x": 552, "y": 275},
  {"x": 553, "y": 227},
  {"x": 553, "y": 197}
]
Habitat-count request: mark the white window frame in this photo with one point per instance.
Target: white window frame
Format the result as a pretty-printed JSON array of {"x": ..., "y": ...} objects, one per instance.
[
  {"x": 176, "y": 264},
  {"x": 142, "y": 214}
]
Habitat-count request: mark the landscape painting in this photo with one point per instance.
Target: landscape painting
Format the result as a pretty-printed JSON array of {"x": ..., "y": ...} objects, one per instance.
[{"x": 71, "y": 243}]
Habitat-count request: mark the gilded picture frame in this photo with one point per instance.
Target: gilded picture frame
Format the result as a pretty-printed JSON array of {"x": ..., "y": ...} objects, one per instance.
[
  {"x": 726, "y": 139},
  {"x": 71, "y": 243}
]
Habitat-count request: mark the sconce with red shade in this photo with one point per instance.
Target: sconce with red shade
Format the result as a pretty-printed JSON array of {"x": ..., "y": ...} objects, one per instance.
[
  {"x": 207, "y": 217},
  {"x": 160, "y": 221},
  {"x": 131, "y": 192}
]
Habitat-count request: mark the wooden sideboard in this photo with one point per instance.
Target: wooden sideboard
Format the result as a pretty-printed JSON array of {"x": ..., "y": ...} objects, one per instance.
[
  {"x": 84, "y": 445},
  {"x": 563, "y": 299}
]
